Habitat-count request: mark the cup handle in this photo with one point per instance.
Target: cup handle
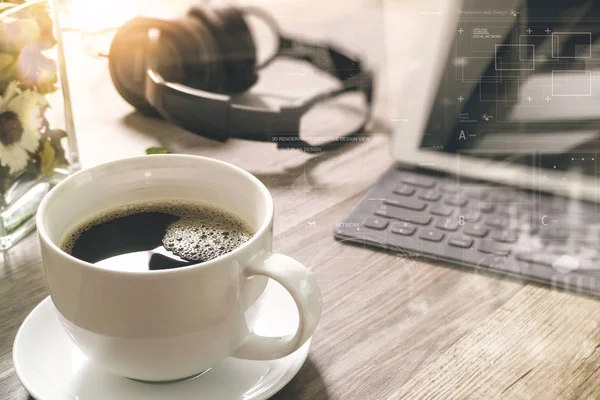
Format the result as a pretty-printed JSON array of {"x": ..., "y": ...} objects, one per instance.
[{"x": 302, "y": 285}]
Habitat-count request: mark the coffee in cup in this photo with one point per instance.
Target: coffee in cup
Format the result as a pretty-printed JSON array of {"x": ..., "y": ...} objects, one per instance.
[
  {"x": 177, "y": 320},
  {"x": 156, "y": 236}
]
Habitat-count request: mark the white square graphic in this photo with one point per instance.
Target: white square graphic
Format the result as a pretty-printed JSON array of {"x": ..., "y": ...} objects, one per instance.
[
  {"x": 573, "y": 83},
  {"x": 505, "y": 64},
  {"x": 585, "y": 42}
]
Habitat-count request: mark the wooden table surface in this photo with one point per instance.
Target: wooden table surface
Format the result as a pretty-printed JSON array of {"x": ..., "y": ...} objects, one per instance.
[{"x": 392, "y": 327}]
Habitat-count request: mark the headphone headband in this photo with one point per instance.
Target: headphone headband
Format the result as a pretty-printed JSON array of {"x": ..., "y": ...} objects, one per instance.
[{"x": 219, "y": 119}]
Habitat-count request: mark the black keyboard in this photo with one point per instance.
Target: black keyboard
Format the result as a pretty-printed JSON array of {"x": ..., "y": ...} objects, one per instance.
[{"x": 540, "y": 237}]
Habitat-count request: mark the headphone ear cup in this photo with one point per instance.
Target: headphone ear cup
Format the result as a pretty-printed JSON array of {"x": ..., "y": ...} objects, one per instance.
[
  {"x": 182, "y": 57},
  {"x": 127, "y": 59},
  {"x": 235, "y": 42},
  {"x": 204, "y": 71}
]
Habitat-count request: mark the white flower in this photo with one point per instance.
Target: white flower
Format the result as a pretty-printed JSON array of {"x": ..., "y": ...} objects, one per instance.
[{"x": 20, "y": 122}]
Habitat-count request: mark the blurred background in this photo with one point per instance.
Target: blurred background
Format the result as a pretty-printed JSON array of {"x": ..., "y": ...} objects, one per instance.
[{"x": 88, "y": 28}]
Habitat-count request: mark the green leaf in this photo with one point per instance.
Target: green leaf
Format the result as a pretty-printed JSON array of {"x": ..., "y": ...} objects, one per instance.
[
  {"x": 47, "y": 156},
  {"x": 157, "y": 150}
]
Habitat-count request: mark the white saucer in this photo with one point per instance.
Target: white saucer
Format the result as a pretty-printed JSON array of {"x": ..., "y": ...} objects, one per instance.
[{"x": 50, "y": 367}]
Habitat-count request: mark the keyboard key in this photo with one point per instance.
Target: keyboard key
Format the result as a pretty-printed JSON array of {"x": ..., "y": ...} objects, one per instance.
[
  {"x": 442, "y": 210},
  {"x": 375, "y": 223},
  {"x": 403, "y": 215},
  {"x": 403, "y": 228},
  {"x": 430, "y": 195},
  {"x": 514, "y": 209},
  {"x": 502, "y": 195},
  {"x": 404, "y": 231},
  {"x": 524, "y": 207},
  {"x": 489, "y": 247},
  {"x": 418, "y": 219},
  {"x": 505, "y": 209},
  {"x": 447, "y": 224},
  {"x": 475, "y": 230},
  {"x": 460, "y": 241},
  {"x": 431, "y": 235},
  {"x": 472, "y": 216},
  {"x": 487, "y": 208},
  {"x": 405, "y": 202},
  {"x": 457, "y": 201},
  {"x": 396, "y": 225},
  {"x": 450, "y": 188},
  {"x": 560, "y": 249},
  {"x": 404, "y": 190},
  {"x": 420, "y": 181},
  {"x": 472, "y": 193},
  {"x": 496, "y": 222},
  {"x": 505, "y": 236},
  {"x": 558, "y": 234}
]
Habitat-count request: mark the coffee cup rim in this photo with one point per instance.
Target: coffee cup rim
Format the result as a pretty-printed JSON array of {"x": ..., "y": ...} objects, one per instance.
[{"x": 43, "y": 234}]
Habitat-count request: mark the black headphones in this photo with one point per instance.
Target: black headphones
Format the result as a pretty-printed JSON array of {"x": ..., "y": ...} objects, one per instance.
[{"x": 185, "y": 69}]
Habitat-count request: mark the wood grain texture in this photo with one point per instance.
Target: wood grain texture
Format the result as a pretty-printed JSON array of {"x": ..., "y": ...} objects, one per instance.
[
  {"x": 540, "y": 345},
  {"x": 392, "y": 327},
  {"x": 385, "y": 316}
]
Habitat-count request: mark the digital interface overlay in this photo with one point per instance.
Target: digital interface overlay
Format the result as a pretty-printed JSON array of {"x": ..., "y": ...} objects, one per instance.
[{"x": 522, "y": 84}]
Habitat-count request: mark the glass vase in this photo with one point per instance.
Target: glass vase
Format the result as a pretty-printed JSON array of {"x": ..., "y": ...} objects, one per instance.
[{"x": 37, "y": 137}]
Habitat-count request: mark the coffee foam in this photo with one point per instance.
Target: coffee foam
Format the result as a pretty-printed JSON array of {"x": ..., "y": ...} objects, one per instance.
[{"x": 203, "y": 231}]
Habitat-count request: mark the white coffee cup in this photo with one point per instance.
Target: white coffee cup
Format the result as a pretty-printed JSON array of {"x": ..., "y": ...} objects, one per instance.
[{"x": 170, "y": 324}]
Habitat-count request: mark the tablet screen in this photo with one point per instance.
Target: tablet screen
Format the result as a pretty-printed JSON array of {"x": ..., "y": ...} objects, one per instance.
[{"x": 522, "y": 85}]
